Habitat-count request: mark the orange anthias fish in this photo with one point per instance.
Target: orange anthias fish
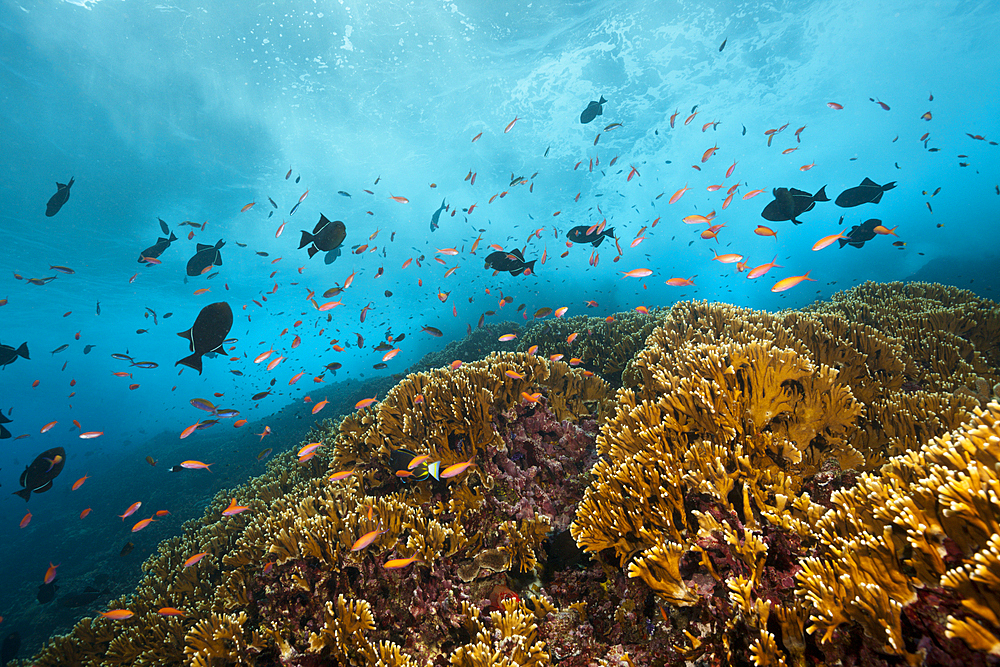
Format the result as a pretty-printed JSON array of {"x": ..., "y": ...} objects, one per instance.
[
  {"x": 366, "y": 539},
  {"x": 789, "y": 283},
  {"x": 197, "y": 465},
  {"x": 677, "y": 195},
  {"x": 131, "y": 510},
  {"x": 195, "y": 558},
  {"x": 78, "y": 483},
  {"x": 142, "y": 524},
  {"x": 117, "y": 614},
  {"x": 397, "y": 563},
  {"x": 828, "y": 240},
  {"x": 234, "y": 509},
  {"x": 758, "y": 271},
  {"x": 50, "y": 574},
  {"x": 709, "y": 153},
  {"x": 510, "y": 125},
  {"x": 319, "y": 406},
  {"x": 680, "y": 282},
  {"x": 248, "y": 207},
  {"x": 169, "y": 611},
  {"x": 456, "y": 469},
  {"x": 401, "y": 200}
]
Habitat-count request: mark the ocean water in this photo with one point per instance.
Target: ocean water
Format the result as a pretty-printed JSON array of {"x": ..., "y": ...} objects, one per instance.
[{"x": 190, "y": 112}]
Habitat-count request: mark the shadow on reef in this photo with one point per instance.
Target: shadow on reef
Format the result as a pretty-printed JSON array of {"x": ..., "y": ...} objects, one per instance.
[{"x": 803, "y": 487}]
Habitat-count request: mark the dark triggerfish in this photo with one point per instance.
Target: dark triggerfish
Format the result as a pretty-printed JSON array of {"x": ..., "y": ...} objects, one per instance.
[
  {"x": 207, "y": 333},
  {"x": 513, "y": 261},
  {"x": 38, "y": 476},
  {"x": 869, "y": 192},
  {"x": 205, "y": 257},
  {"x": 859, "y": 234},
  {"x": 4, "y": 433},
  {"x": 327, "y": 235},
  {"x": 57, "y": 200},
  {"x": 155, "y": 250},
  {"x": 9, "y": 354},
  {"x": 579, "y": 234},
  {"x": 593, "y": 110},
  {"x": 788, "y": 204}
]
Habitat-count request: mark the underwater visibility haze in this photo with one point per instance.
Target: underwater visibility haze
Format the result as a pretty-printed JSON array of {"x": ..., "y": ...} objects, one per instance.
[{"x": 224, "y": 223}]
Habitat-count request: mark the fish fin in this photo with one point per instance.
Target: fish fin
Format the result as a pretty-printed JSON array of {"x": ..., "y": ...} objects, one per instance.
[
  {"x": 518, "y": 271},
  {"x": 869, "y": 181},
  {"x": 602, "y": 100},
  {"x": 193, "y": 361},
  {"x": 517, "y": 253},
  {"x": 221, "y": 244},
  {"x": 312, "y": 251},
  {"x": 794, "y": 192},
  {"x": 218, "y": 259},
  {"x": 844, "y": 241},
  {"x": 877, "y": 198},
  {"x": 821, "y": 195},
  {"x": 599, "y": 241},
  {"x": 610, "y": 232},
  {"x": 185, "y": 334},
  {"x": 173, "y": 237},
  {"x": 307, "y": 238},
  {"x": 202, "y": 246},
  {"x": 888, "y": 186},
  {"x": 531, "y": 265},
  {"x": 24, "y": 493},
  {"x": 4, "y": 433},
  {"x": 44, "y": 487},
  {"x": 23, "y": 351},
  {"x": 796, "y": 222}
]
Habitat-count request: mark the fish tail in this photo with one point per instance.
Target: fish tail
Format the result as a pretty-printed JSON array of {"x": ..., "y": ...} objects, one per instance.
[
  {"x": 602, "y": 100},
  {"x": 24, "y": 493},
  {"x": 530, "y": 266},
  {"x": 610, "y": 233},
  {"x": 23, "y": 351},
  {"x": 598, "y": 242},
  {"x": 312, "y": 251},
  {"x": 173, "y": 237},
  {"x": 307, "y": 238},
  {"x": 821, "y": 195},
  {"x": 193, "y": 361},
  {"x": 4, "y": 433}
]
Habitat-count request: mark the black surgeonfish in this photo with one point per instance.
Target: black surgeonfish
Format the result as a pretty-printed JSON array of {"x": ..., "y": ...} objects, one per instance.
[
  {"x": 327, "y": 235},
  {"x": 788, "y": 204},
  {"x": 9, "y": 354},
  {"x": 208, "y": 333},
  {"x": 11, "y": 645},
  {"x": 593, "y": 110},
  {"x": 82, "y": 599},
  {"x": 869, "y": 192},
  {"x": 509, "y": 261},
  {"x": 57, "y": 200},
  {"x": 47, "y": 592},
  {"x": 206, "y": 256},
  {"x": 38, "y": 476},
  {"x": 860, "y": 233},
  {"x": 157, "y": 248},
  {"x": 4, "y": 433},
  {"x": 579, "y": 235},
  {"x": 437, "y": 215}
]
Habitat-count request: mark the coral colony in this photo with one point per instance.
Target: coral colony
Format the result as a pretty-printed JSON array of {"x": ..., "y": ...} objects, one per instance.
[{"x": 709, "y": 484}]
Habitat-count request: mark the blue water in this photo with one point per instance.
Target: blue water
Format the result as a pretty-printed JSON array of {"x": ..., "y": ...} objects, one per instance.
[{"x": 189, "y": 113}]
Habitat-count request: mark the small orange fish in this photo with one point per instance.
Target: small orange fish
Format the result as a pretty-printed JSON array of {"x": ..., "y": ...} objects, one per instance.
[
  {"x": 197, "y": 465},
  {"x": 680, "y": 282},
  {"x": 169, "y": 611},
  {"x": 190, "y": 429},
  {"x": 84, "y": 513},
  {"x": 26, "y": 520},
  {"x": 401, "y": 200},
  {"x": 709, "y": 153},
  {"x": 677, "y": 195},
  {"x": 807, "y": 167},
  {"x": 758, "y": 271},
  {"x": 765, "y": 231},
  {"x": 366, "y": 539},
  {"x": 475, "y": 138},
  {"x": 319, "y": 406},
  {"x": 247, "y": 207},
  {"x": 880, "y": 229},
  {"x": 834, "y": 105},
  {"x": 90, "y": 435},
  {"x": 828, "y": 240},
  {"x": 234, "y": 509},
  {"x": 507, "y": 338},
  {"x": 142, "y": 524},
  {"x": 343, "y": 474},
  {"x": 364, "y": 403},
  {"x": 510, "y": 125},
  {"x": 728, "y": 258},
  {"x": 788, "y": 283},
  {"x": 531, "y": 398},
  {"x": 50, "y": 574},
  {"x": 397, "y": 563},
  {"x": 131, "y": 510},
  {"x": 78, "y": 483},
  {"x": 195, "y": 558},
  {"x": 456, "y": 469},
  {"x": 48, "y": 427},
  {"x": 117, "y": 614},
  {"x": 638, "y": 273},
  {"x": 514, "y": 375}
]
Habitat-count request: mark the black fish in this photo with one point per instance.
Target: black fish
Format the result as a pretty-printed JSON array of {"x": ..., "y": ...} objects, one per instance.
[
  {"x": 38, "y": 476},
  {"x": 156, "y": 249},
  {"x": 860, "y": 233},
  {"x": 9, "y": 354},
  {"x": 89, "y": 595},
  {"x": 163, "y": 226},
  {"x": 343, "y": 194},
  {"x": 593, "y": 110},
  {"x": 88, "y": 348},
  {"x": 98, "y": 307},
  {"x": 579, "y": 235},
  {"x": 4, "y": 433},
  {"x": 272, "y": 203},
  {"x": 57, "y": 200},
  {"x": 869, "y": 192},
  {"x": 11, "y": 645},
  {"x": 207, "y": 255},
  {"x": 326, "y": 236},
  {"x": 207, "y": 333},
  {"x": 509, "y": 261},
  {"x": 723, "y": 45},
  {"x": 127, "y": 549},
  {"x": 437, "y": 214},
  {"x": 789, "y": 204}
]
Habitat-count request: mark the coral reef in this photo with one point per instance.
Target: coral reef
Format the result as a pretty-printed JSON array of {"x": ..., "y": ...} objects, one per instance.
[{"x": 803, "y": 487}]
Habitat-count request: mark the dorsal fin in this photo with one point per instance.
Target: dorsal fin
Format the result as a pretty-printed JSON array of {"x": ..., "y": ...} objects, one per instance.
[{"x": 868, "y": 181}]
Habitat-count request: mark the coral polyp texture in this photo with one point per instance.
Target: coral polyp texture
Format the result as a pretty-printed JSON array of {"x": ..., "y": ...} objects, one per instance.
[{"x": 805, "y": 487}]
